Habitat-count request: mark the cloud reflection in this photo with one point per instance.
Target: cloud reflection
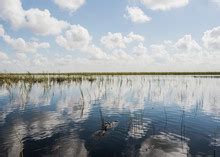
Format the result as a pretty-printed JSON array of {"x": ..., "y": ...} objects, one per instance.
[
  {"x": 164, "y": 145},
  {"x": 54, "y": 107}
]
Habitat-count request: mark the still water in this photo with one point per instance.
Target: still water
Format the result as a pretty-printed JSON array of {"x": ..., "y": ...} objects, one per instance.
[{"x": 155, "y": 116}]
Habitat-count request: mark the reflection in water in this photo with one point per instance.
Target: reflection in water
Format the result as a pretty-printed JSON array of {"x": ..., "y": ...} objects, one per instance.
[
  {"x": 141, "y": 116},
  {"x": 164, "y": 145},
  {"x": 139, "y": 125},
  {"x": 105, "y": 127}
]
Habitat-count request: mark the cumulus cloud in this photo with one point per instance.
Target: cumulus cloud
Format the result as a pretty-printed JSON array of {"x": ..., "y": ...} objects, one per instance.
[
  {"x": 95, "y": 52},
  {"x": 136, "y": 15},
  {"x": 2, "y": 31},
  {"x": 211, "y": 39},
  {"x": 187, "y": 44},
  {"x": 38, "y": 21},
  {"x": 78, "y": 38},
  {"x": 40, "y": 60},
  {"x": 3, "y": 56},
  {"x": 164, "y": 4},
  {"x": 140, "y": 50},
  {"x": 21, "y": 56},
  {"x": 117, "y": 40},
  {"x": 5, "y": 61},
  {"x": 113, "y": 40},
  {"x": 12, "y": 11},
  {"x": 70, "y": 5},
  {"x": 41, "y": 22},
  {"x": 120, "y": 54},
  {"x": 134, "y": 37},
  {"x": 158, "y": 48},
  {"x": 166, "y": 56},
  {"x": 159, "y": 53},
  {"x": 20, "y": 45}
]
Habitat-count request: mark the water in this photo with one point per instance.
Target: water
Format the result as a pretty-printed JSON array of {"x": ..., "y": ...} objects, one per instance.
[{"x": 153, "y": 116}]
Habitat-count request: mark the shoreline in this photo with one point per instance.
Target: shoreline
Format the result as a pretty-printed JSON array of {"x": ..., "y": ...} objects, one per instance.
[{"x": 112, "y": 73}]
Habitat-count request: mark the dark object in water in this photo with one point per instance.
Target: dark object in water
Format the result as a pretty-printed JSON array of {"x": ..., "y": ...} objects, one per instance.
[
  {"x": 109, "y": 125},
  {"x": 105, "y": 127}
]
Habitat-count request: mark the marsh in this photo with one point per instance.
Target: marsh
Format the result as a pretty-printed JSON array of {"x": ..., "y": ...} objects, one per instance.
[{"x": 141, "y": 116}]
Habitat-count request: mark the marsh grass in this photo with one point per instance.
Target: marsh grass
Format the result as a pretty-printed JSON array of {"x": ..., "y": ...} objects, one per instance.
[{"x": 9, "y": 78}]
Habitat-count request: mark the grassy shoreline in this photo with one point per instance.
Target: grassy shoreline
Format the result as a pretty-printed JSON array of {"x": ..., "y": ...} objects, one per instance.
[
  {"x": 112, "y": 73},
  {"x": 10, "y": 78}
]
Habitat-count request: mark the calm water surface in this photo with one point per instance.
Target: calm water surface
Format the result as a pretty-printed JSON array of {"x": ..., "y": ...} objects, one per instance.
[{"x": 155, "y": 116}]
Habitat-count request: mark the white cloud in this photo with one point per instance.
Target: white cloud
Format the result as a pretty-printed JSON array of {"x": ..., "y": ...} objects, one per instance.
[
  {"x": 164, "y": 4},
  {"x": 63, "y": 60},
  {"x": 136, "y": 15},
  {"x": 211, "y": 39},
  {"x": 78, "y": 38},
  {"x": 20, "y": 45},
  {"x": 117, "y": 40},
  {"x": 40, "y": 60},
  {"x": 71, "y": 5},
  {"x": 3, "y": 56},
  {"x": 187, "y": 44},
  {"x": 140, "y": 50},
  {"x": 120, "y": 54},
  {"x": 12, "y": 11},
  {"x": 158, "y": 48},
  {"x": 39, "y": 21},
  {"x": 95, "y": 52},
  {"x": 217, "y": 2},
  {"x": 159, "y": 53},
  {"x": 2, "y": 31},
  {"x": 164, "y": 56},
  {"x": 133, "y": 37},
  {"x": 21, "y": 56}
]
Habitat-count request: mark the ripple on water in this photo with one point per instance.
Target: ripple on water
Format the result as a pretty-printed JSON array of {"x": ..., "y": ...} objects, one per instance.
[
  {"x": 164, "y": 144},
  {"x": 156, "y": 117}
]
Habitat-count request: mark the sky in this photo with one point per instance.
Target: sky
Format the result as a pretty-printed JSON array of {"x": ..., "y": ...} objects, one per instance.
[{"x": 109, "y": 36}]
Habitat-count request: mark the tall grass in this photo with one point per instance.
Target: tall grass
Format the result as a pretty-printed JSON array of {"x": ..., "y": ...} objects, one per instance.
[
  {"x": 9, "y": 78},
  {"x": 116, "y": 73},
  {"x": 43, "y": 78}
]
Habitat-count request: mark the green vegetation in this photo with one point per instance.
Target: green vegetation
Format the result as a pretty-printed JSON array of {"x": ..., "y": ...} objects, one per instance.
[
  {"x": 113, "y": 73},
  {"x": 79, "y": 77},
  {"x": 42, "y": 78}
]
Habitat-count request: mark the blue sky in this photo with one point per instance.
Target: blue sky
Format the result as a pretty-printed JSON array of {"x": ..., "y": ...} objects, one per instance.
[{"x": 97, "y": 35}]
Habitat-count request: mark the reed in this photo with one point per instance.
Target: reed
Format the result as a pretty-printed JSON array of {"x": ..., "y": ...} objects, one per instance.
[
  {"x": 113, "y": 73},
  {"x": 43, "y": 78},
  {"x": 9, "y": 78}
]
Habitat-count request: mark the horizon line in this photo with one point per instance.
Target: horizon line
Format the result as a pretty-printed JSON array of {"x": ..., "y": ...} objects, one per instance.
[{"x": 111, "y": 73}]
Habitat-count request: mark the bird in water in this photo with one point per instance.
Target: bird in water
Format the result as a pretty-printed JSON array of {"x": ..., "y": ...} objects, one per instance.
[{"x": 105, "y": 126}]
